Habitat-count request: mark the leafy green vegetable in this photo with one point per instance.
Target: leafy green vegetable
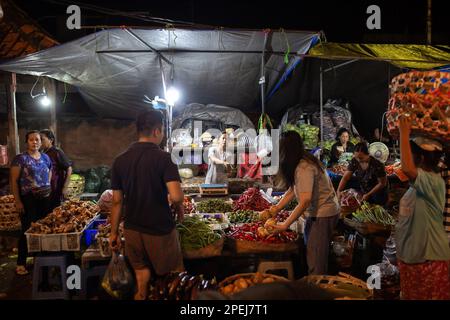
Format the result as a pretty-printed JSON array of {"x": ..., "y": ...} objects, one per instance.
[{"x": 196, "y": 233}]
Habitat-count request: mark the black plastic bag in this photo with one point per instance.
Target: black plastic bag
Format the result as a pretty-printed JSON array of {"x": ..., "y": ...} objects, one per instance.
[
  {"x": 93, "y": 181},
  {"x": 119, "y": 280}
]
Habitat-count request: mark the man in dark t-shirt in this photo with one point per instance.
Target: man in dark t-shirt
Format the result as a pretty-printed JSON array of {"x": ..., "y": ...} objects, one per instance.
[{"x": 144, "y": 180}]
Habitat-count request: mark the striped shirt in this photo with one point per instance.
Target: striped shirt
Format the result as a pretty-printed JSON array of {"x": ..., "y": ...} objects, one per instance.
[{"x": 446, "y": 175}]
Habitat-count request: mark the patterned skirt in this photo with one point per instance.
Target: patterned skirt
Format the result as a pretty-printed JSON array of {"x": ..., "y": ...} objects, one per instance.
[{"x": 425, "y": 281}]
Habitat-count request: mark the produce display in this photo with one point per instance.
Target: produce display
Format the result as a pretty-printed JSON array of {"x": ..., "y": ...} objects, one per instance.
[
  {"x": 214, "y": 206},
  {"x": 9, "y": 216},
  {"x": 291, "y": 206},
  {"x": 180, "y": 286},
  {"x": 71, "y": 216},
  {"x": 309, "y": 134},
  {"x": 339, "y": 169},
  {"x": 351, "y": 198},
  {"x": 76, "y": 185},
  {"x": 242, "y": 282},
  {"x": 282, "y": 216},
  {"x": 196, "y": 233},
  {"x": 370, "y": 213},
  {"x": 243, "y": 216},
  {"x": 251, "y": 200},
  {"x": 188, "y": 205},
  {"x": 259, "y": 231},
  {"x": 328, "y": 144},
  {"x": 424, "y": 98}
]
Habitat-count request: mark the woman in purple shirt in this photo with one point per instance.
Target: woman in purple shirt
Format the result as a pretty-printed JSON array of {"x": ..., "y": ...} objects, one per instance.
[{"x": 30, "y": 183}]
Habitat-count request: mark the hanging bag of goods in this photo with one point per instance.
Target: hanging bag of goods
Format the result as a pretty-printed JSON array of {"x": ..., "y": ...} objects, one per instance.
[{"x": 425, "y": 98}]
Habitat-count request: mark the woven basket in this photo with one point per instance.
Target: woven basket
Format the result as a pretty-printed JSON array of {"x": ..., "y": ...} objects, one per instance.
[
  {"x": 347, "y": 211},
  {"x": 425, "y": 97},
  {"x": 243, "y": 246},
  {"x": 9, "y": 216},
  {"x": 368, "y": 228},
  {"x": 344, "y": 284},
  {"x": 231, "y": 279},
  {"x": 213, "y": 250},
  {"x": 76, "y": 187}
]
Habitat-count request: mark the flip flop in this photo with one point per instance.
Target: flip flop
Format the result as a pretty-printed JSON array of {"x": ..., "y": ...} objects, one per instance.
[{"x": 21, "y": 271}]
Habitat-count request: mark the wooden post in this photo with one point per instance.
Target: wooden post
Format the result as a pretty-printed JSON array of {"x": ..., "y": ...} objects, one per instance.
[
  {"x": 13, "y": 132},
  {"x": 51, "y": 93},
  {"x": 429, "y": 23}
]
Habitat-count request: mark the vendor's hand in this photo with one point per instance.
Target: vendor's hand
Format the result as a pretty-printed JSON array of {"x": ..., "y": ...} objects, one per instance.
[
  {"x": 114, "y": 242},
  {"x": 366, "y": 197},
  {"x": 277, "y": 228},
  {"x": 405, "y": 124}
]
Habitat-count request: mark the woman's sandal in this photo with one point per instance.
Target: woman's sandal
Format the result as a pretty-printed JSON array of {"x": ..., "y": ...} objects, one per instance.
[{"x": 21, "y": 271}]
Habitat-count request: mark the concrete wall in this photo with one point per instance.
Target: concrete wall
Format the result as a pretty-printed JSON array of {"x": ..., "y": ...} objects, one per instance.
[{"x": 87, "y": 142}]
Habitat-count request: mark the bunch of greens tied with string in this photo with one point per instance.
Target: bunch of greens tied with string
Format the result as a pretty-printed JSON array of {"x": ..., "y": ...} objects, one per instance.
[{"x": 369, "y": 213}]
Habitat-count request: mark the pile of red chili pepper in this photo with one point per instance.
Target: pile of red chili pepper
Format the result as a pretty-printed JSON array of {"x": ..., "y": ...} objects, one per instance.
[
  {"x": 282, "y": 216},
  {"x": 188, "y": 205},
  {"x": 249, "y": 232},
  {"x": 251, "y": 200}
]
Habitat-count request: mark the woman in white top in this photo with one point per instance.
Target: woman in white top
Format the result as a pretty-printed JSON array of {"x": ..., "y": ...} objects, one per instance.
[
  {"x": 307, "y": 180},
  {"x": 217, "y": 165}
]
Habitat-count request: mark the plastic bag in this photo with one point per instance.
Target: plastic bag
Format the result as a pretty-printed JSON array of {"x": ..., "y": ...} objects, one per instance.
[
  {"x": 105, "y": 202},
  {"x": 93, "y": 181},
  {"x": 118, "y": 280}
]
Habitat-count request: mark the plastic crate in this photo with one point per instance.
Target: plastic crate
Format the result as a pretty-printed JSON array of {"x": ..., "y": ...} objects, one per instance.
[{"x": 92, "y": 230}]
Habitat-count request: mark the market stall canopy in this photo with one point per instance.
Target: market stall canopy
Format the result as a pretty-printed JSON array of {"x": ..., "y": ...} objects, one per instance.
[
  {"x": 228, "y": 116},
  {"x": 401, "y": 55},
  {"x": 115, "y": 69}
]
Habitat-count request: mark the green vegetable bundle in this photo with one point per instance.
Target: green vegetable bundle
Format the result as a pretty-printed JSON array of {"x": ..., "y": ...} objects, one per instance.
[
  {"x": 214, "y": 206},
  {"x": 369, "y": 213},
  {"x": 309, "y": 134},
  {"x": 196, "y": 233},
  {"x": 243, "y": 216},
  {"x": 327, "y": 145}
]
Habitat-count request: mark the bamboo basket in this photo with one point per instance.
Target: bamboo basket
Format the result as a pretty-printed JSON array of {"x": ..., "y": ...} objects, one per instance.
[
  {"x": 231, "y": 279},
  {"x": 76, "y": 187},
  {"x": 212, "y": 250},
  {"x": 350, "y": 288},
  {"x": 367, "y": 228},
  {"x": 243, "y": 246},
  {"x": 347, "y": 211},
  {"x": 424, "y": 96},
  {"x": 9, "y": 216}
]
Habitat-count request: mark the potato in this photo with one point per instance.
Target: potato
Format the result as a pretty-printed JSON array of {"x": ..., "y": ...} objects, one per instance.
[
  {"x": 228, "y": 289},
  {"x": 268, "y": 280},
  {"x": 270, "y": 222},
  {"x": 258, "y": 277}
]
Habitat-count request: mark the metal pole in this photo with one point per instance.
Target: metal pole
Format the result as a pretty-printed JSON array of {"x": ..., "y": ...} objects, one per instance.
[
  {"x": 429, "y": 23},
  {"x": 12, "y": 116},
  {"x": 52, "y": 97},
  {"x": 321, "y": 106},
  {"x": 262, "y": 80},
  {"x": 168, "y": 130}
]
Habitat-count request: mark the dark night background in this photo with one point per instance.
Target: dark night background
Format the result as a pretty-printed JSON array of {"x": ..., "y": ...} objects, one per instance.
[{"x": 342, "y": 21}]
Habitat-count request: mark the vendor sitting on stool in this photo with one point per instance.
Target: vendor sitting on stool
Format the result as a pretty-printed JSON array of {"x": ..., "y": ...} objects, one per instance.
[
  {"x": 371, "y": 175},
  {"x": 342, "y": 145}
]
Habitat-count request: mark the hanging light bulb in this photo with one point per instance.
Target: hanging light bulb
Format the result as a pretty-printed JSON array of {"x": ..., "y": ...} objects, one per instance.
[
  {"x": 172, "y": 96},
  {"x": 45, "y": 101}
]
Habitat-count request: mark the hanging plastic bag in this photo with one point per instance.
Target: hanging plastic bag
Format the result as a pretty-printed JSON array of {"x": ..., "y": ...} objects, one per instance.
[{"x": 118, "y": 280}]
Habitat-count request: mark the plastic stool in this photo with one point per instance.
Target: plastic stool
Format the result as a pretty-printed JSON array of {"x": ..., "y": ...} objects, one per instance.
[
  {"x": 50, "y": 261},
  {"x": 265, "y": 266},
  {"x": 98, "y": 271}
]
